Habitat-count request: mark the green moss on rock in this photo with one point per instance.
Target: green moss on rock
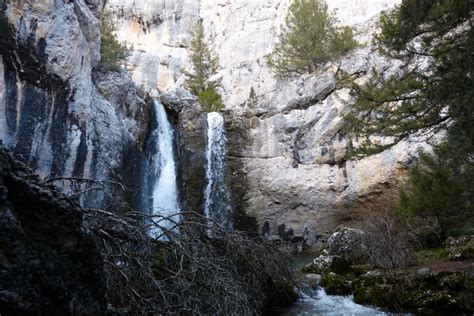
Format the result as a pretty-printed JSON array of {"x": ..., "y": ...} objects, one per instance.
[
  {"x": 335, "y": 284},
  {"x": 375, "y": 295}
]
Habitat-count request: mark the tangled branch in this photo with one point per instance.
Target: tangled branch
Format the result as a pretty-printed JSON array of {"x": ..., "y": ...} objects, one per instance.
[{"x": 155, "y": 264}]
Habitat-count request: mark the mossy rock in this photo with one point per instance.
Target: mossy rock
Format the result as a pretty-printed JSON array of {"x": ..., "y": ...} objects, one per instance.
[
  {"x": 453, "y": 281},
  {"x": 375, "y": 295},
  {"x": 360, "y": 269},
  {"x": 436, "y": 300},
  {"x": 367, "y": 280},
  {"x": 335, "y": 284}
]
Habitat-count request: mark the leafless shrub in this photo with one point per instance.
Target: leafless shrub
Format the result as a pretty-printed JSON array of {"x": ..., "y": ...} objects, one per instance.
[
  {"x": 182, "y": 270},
  {"x": 389, "y": 241}
]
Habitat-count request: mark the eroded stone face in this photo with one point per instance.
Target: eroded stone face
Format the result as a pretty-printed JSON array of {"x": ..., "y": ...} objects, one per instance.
[{"x": 53, "y": 115}]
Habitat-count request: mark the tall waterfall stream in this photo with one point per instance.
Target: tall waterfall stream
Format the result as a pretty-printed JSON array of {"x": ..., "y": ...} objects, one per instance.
[
  {"x": 217, "y": 207},
  {"x": 165, "y": 189}
]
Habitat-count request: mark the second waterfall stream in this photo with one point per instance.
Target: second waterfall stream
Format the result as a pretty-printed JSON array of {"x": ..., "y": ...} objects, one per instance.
[{"x": 217, "y": 206}]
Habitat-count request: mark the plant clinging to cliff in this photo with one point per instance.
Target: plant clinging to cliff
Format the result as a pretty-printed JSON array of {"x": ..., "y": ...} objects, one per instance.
[
  {"x": 310, "y": 38},
  {"x": 205, "y": 66},
  {"x": 111, "y": 50}
]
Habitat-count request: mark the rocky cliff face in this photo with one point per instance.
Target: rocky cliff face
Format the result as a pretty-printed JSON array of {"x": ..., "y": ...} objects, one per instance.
[
  {"x": 288, "y": 161},
  {"x": 59, "y": 114},
  {"x": 243, "y": 33}
]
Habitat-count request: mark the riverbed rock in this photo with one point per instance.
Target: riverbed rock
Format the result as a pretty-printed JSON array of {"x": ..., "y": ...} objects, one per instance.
[{"x": 325, "y": 264}]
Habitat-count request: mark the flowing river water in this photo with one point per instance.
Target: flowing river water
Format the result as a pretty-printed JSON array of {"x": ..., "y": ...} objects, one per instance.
[{"x": 315, "y": 301}]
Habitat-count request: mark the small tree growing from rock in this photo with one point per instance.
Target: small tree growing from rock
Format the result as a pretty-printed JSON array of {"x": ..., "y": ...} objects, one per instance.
[
  {"x": 310, "y": 38},
  {"x": 111, "y": 50},
  {"x": 205, "y": 66}
]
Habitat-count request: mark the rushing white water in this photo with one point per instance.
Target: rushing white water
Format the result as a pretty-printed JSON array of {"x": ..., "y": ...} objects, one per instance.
[
  {"x": 317, "y": 302},
  {"x": 165, "y": 190},
  {"x": 217, "y": 199}
]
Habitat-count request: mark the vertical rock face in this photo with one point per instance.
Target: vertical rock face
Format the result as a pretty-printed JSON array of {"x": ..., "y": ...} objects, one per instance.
[
  {"x": 56, "y": 113},
  {"x": 190, "y": 129},
  {"x": 288, "y": 155}
]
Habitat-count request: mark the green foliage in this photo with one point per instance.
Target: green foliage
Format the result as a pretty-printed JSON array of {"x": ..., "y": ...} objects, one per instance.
[
  {"x": 424, "y": 102},
  {"x": 419, "y": 102},
  {"x": 205, "y": 65},
  {"x": 111, "y": 50},
  {"x": 442, "y": 187},
  {"x": 210, "y": 100},
  {"x": 309, "y": 38}
]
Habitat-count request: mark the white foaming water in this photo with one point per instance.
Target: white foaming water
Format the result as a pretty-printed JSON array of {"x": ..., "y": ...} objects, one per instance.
[
  {"x": 165, "y": 190},
  {"x": 217, "y": 207},
  {"x": 319, "y": 303}
]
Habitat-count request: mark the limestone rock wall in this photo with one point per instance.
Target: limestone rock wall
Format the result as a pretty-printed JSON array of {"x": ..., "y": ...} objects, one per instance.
[
  {"x": 243, "y": 32},
  {"x": 57, "y": 112}
]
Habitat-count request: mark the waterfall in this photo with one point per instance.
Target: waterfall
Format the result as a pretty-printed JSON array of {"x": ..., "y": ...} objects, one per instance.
[
  {"x": 217, "y": 206},
  {"x": 163, "y": 167}
]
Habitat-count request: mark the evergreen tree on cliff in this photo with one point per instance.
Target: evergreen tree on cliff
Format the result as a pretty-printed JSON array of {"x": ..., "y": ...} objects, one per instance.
[
  {"x": 205, "y": 66},
  {"x": 310, "y": 37},
  {"x": 425, "y": 101}
]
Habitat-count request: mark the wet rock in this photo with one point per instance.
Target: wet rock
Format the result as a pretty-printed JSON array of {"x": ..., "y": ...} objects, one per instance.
[
  {"x": 191, "y": 139},
  {"x": 312, "y": 280},
  {"x": 60, "y": 113}
]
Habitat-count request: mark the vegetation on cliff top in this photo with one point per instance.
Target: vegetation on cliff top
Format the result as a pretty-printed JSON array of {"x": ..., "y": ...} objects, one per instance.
[{"x": 310, "y": 37}]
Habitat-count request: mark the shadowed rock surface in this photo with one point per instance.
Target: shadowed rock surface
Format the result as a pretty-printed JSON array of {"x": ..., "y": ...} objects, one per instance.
[{"x": 48, "y": 262}]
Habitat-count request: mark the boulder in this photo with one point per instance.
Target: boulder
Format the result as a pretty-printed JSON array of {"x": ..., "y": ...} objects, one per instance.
[
  {"x": 326, "y": 264},
  {"x": 348, "y": 243}
]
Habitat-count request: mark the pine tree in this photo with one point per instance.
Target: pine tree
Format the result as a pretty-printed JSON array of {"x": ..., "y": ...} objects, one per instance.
[
  {"x": 422, "y": 103},
  {"x": 419, "y": 102},
  {"x": 205, "y": 65},
  {"x": 310, "y": 38}
]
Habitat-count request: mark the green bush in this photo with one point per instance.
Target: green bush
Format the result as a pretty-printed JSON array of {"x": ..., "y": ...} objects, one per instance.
[
  {"x": 210, "y": 100},
  {"x": 441, "y": 188},
  {"x": 309, "y": 39},
  {"x": 111, "y": 50}
]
